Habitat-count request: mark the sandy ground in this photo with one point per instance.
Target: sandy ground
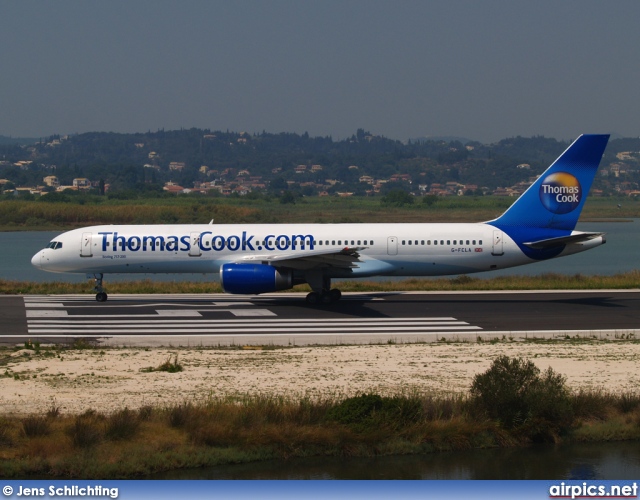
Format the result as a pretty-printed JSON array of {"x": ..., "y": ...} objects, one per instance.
[{"x": 111, "y": 379}]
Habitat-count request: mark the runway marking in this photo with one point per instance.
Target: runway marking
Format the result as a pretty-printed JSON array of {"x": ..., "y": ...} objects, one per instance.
[
  {"x": 47, "y": 316},
  {"x": 70, "y": 319},
  {"x": 42, "y": 304},
  {"x": 176, "y": 312},
  {"x": 216, "y": 331},
  {"x": 45, "y": 313},
  {"x": 215, "y": 298}
]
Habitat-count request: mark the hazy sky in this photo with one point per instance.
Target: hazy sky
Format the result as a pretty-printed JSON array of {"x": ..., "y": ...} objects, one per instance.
[{"x": 481, "y": 69}]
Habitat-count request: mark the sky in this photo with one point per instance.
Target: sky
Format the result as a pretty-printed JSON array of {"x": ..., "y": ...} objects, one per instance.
[{"x": 484, "y": 70}]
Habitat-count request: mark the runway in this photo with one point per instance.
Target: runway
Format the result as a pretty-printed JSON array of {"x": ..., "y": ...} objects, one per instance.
[{"x": 286, "y": 319}]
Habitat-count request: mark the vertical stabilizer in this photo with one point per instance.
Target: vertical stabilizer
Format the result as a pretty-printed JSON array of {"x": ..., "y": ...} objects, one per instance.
[{"x": 556, "y": 199}]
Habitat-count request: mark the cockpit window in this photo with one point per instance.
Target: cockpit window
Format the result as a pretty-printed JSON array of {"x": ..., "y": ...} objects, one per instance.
[
  {"x": 58, "y": 245},
  {"x": 54, "y": 245}
]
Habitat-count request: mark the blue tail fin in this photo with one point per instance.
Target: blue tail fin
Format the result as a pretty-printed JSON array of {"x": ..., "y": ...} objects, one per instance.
[{"x": 555, "y": 200}]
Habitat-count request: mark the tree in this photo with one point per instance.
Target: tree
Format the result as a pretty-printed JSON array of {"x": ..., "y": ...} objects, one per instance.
[
  {"x": 287, "y": 197},
  {"x": 514, "y": 392},
  {"x": 397, "y": 198}
]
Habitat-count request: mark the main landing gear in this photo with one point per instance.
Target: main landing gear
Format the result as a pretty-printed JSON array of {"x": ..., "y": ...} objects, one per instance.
[
  {"x": 101, "y": 295},
  {"x": 322, "y": 292},
  {"x": 324, "y": 296}
]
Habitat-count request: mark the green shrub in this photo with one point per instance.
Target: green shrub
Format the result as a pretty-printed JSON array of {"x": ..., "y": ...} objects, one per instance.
[
  {"x": 514, "y": 392},
  {"x": 372, "y": 411},
  {"x": 168, "y": 366},
  {"x": 355, "y": 410}
]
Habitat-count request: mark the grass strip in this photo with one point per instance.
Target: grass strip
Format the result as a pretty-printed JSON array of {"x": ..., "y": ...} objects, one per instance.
[{"x": 547, "y": 281}]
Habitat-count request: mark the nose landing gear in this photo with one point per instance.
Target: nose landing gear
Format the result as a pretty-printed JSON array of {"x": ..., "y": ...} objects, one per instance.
[{"x": 101, "y": 295}]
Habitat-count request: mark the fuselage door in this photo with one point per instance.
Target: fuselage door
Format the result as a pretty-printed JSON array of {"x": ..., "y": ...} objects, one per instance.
[
  {"x": 85, "y": 248},
  {"x": 392, "y": 245},
  {"x": 194, "y": 250},
  {"x": 497, "y": 243}
]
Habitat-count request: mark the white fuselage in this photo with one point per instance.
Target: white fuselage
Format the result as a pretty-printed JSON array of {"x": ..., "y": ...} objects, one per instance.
[{"x": 384, "y": 249}]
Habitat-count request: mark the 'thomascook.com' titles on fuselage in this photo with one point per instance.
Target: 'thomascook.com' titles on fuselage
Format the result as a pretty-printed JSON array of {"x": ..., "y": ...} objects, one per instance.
[
  {"x": 205, "y": 241},
  {"x": 259, "y": 258}
]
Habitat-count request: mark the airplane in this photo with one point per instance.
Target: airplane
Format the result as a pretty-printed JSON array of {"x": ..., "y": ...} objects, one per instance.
[{"x": 262, "y": 258}]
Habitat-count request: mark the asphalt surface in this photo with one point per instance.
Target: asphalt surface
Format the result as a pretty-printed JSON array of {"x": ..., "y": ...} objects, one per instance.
[{"x": 286, "y": 319}]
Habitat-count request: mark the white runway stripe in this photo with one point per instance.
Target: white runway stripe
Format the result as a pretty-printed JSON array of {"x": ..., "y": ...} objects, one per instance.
[
  {"x": 70, "y": 320},
  {"x": 270, "y": 325},
  {"x": 368, "y": 329},
  {"x": 221, "y": 297},
  {"x": 55, "y": 316}
]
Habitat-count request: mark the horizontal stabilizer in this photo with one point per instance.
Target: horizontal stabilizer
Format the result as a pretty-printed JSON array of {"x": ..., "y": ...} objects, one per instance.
[{"x": 562, "y": 240}]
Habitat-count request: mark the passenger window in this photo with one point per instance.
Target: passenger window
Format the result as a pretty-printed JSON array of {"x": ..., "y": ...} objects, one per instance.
[
  {"x": 422, "y": 242},
  {"x": 333, "y": 242},
  {"x": 467, "y": 242},
  {"x": 403, "y": 242},
  {"x": 454, "y": 242},
  {"x": 448, "y": 242},
  {"x": 480, "y": 242}
]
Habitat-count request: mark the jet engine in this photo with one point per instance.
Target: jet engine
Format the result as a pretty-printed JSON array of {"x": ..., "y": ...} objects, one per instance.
[{"x": 254, "y": 278}]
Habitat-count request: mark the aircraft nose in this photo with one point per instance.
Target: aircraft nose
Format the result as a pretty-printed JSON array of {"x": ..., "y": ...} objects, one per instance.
[{"x": 36, "y": 260}]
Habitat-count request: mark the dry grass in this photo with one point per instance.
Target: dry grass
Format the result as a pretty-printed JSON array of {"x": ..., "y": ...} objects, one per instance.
[{"x": 128, "y": 443}]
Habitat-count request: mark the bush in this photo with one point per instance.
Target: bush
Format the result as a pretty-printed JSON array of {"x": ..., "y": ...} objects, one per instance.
[
  {"x": 372, "y": 411},
  {"x": 514, "y": 392},
  {"x": 86, "y": 430},
  {"x": 355, "y": 410},
  {"x": 123, "y": 424},
  {"x": 35, "y": 426},
  {"x": 6, "y": 436},
  {"x": 396, "y": 198},
  {"x": 180, "y": 415}
]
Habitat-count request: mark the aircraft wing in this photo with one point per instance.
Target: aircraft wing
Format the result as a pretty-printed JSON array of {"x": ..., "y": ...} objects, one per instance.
[
  {"x": 345, "y": 258},
  {"x": 563, "y": 240}
]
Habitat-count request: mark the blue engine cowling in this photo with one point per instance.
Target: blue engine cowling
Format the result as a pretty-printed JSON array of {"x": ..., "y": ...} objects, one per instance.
[{"x": 253, "y": 278}]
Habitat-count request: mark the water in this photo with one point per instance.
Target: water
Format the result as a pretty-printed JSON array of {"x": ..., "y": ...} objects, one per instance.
[
  {"x": 620, "y": 460},
  {"x": 620, "y": 254}
]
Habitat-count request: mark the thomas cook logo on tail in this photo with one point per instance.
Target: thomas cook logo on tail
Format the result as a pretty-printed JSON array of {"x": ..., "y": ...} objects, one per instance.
[{"x": 560, "y": 193}]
